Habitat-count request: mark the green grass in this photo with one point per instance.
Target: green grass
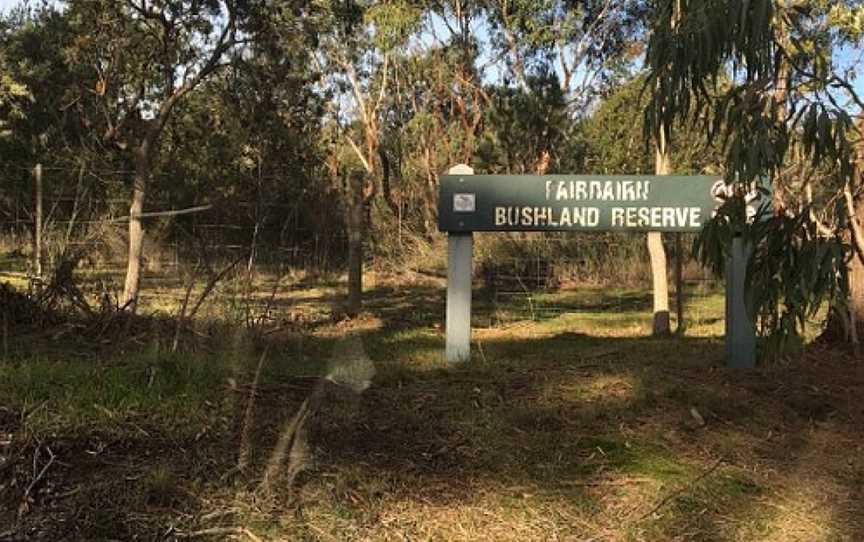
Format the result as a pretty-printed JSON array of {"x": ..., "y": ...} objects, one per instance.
[
  {"x": 572, "y": 424},
  {"x": 173, "y": 388}
]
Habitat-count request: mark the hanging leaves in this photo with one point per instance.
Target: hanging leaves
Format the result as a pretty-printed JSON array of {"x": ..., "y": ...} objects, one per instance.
[
  {"x": 781, "y": 92},
  {"x": 792, "y": 272}
]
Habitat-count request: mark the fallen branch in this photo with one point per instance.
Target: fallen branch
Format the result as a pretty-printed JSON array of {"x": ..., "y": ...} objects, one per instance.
[
  {"x": 26, "y": 496},
  {"x": 683, "y": 488},
  {"x": 218, "y": 531}
]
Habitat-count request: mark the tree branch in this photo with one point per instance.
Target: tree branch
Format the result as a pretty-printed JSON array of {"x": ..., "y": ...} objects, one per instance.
[
  {"x": 383, "y": 89},
  {"x": 225, "y": 41},
  {"x": 355, "y": 88},
  {"x": 359, "y": 154}
]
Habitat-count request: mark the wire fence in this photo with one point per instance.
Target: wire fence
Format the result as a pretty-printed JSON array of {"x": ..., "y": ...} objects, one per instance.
[
  {"x": 101, "y": 247},
  {"x": 530, "y": 287}
]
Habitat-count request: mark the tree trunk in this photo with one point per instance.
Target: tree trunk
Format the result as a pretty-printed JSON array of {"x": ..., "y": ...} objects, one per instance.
[
  {"x": 132, "y": 286},
  {"x": 356, "y": 221},
  {"x": 660, "y": 283},
  {"x": 856, "y": 287},
  {"x": 657, "y": 253},
  {"x": 836, "y": 329},
  {"x": 37, "y": 230},
  {"x": 780, "y": 97},
  {"x": 679, "y": 283}
]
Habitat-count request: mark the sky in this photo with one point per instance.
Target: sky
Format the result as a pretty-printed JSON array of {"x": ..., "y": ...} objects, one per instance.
[{"x": 845, "y": 58}]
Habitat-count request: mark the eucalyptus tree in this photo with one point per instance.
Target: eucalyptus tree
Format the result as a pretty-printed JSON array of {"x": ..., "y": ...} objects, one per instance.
[
  {"x": 354, "y": 56},
  {"x": 142, "y": 58},
  {"x": 40, "y": 120},
  {"x": 613, "y": 138},
  {"x": 249, "y": 138},
  {"x": 435, "y": 116},
  {"x": 585, "y": 42},
  {"x": 591, "y": 45},
  {"x": 763, "y": 77}
]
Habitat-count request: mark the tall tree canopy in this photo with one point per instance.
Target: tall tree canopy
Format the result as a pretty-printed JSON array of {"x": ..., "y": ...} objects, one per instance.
[{"x": 762, "y": 77}]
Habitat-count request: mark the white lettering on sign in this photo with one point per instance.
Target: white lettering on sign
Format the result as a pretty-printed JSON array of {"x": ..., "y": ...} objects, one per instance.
[
  {"x": 589, "y": 217},
  {"x": 621, "y": 190},
  {"x": 567, "y": 217},
  {"x": 500, "y": 216},
  {"x": 656, "y": 217}
]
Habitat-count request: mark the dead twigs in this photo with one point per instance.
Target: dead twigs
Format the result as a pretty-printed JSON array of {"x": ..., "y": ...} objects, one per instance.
[
  {"x": 220, "y": 531},
  {"x": 37, "y": 477},
  {"x": 674, "y": 494},
  {"x": 182, "y": 316}
]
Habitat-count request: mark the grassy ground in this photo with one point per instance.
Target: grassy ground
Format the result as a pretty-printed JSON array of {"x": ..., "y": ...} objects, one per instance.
[{"x": 568, "y": 424}]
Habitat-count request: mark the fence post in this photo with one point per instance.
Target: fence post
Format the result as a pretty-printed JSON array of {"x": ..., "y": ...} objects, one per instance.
[
  {"x": 37, "y": 229},
  {"x": 460, "y": 249},
  {"x": 740, "y": 330}
]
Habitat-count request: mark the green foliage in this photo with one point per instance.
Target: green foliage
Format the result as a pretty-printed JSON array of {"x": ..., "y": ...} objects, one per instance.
[
  {"x": 780, "y": 105},
  {"x": 793, "y": 272},
  {"x": 692, "y": 42},
  {"x": 11, "y": 93},
  {"x": 586, "y": 41},
  {"x": 525, "y": 128},
  {"x": 613, "y": 138},
  {"x": 394, "y": 23}
]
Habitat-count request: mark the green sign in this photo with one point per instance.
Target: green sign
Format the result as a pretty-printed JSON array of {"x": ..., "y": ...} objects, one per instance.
[{"x": 580, "y": 202}]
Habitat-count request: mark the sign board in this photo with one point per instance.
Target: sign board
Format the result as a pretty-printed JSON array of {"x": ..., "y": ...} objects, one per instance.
[
  {"x": 469, "y": 203},
  {"x": 670, "y": 203}
]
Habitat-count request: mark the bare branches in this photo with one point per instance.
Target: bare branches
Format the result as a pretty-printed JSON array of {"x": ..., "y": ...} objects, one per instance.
[
  {"x": 382, "y": 91},
  {"x": 38, "y": 475},
  {"x": 211, "y": 284},
  {"x": 357, "y": 91},
  {"x": 226, "y": 40}
]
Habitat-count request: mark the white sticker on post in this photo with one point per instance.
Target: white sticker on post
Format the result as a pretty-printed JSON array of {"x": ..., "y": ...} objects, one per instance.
[{"x": 464, "y": 203}]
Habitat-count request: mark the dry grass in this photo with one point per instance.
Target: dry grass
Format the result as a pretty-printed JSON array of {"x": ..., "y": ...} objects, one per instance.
[{"x": 572, "y": 426}]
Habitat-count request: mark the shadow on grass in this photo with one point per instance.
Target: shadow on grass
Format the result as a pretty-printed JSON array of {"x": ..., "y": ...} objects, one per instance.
[{"x": 594, "y": 432}]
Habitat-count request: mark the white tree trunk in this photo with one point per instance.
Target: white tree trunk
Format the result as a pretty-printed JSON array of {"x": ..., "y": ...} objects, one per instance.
[
  {"x": 657, "y": 253},
  {"x": 132, "y": 286}
]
